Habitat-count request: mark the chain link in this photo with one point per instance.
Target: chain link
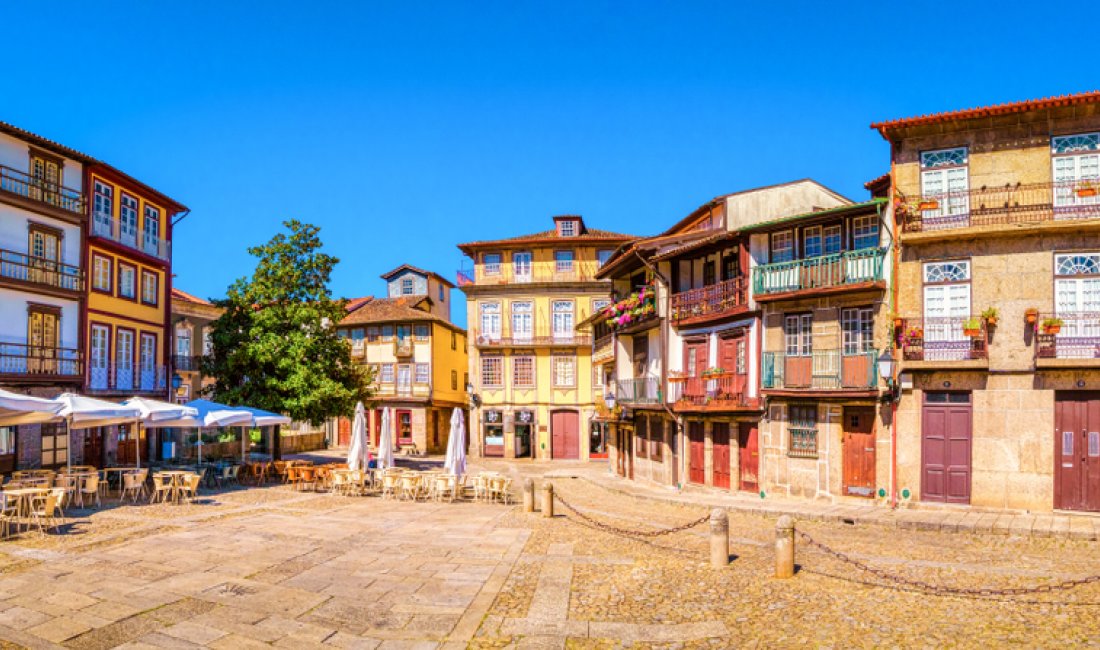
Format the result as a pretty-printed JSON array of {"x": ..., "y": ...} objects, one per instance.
[
  {"x": 637, "y": 534},
  {"x": 943, "y": 590}
]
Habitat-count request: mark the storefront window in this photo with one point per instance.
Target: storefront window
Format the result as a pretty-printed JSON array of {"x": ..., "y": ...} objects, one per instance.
[
  {"x": 494, "y": 433},
  {"x": 597, "y": 441}
]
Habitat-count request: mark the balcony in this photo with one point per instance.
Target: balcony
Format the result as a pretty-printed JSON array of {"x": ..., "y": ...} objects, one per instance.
[
  {"x": 1068, "y": 339},
  {"x": 632, "y": 392},
  {"x": 116, "y": 379},
  {"x": 846, "y": 271},
  {"x": 539, "y": 274},
  {"x": 187, "y": 363},
  {"x": 955, "y": 340},
  {"x": 496, "y": 340},
  {"x": 726, "y": 391},
  {"x": 40, "y": 272},
  {"x": 603, "y": 349},
  {"x": 413, "y": 389},
  {"x": 26, "y": 186},
  {"x": 22, "y": 361},
  {"x": 821, "y": 370},
  {"x": 107, "y": 227},
  {"x": 713, "y": 301},
  {"x": 1009, "y": 204}
]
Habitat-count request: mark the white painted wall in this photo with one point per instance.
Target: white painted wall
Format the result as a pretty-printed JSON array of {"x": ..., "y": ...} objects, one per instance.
[
  {"x": 15, "y": 153},
  {"x": 13, "y": 317},
  {"x": 769, "y": 203},
  {"x": 14, "y": 236}
]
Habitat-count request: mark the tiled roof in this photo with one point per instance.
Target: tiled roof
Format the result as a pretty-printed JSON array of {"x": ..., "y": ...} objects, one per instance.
[
  {"x": 178, "y": 294},
  {"x": 385, "y": 310},
  {"x": 356, "y": 303},
  {"x": 698, "y": 212},
  {"x": 1089, "y": 97},
  {"x": 549, "y": 237},
  {"x": 414, "y": 269},
  {"x": 874, "y": 182}
]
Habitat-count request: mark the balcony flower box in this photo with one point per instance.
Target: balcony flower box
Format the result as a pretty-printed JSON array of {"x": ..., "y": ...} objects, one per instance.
[
  {"x": 677, "y": 376},
  {"x": 1052, "y": 325},
  {"x": 635, "y": 307},
  {"x": 928, "y": 204},
  {"x": 1085, "y": 190},
  {"x": 990, "y": 317},
  {"x": 711, "y": 373},
  {"x": 972, "y": 327},
  {"x": 914, "y": 334}
]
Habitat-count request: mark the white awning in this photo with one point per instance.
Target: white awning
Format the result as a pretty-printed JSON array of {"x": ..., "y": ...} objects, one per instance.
[
  {"x": 213, "y": 414},
  {"x": 86, "y": 412},
  {"x": 157, "y": 414},
  {"x": 16, "y": 409}
]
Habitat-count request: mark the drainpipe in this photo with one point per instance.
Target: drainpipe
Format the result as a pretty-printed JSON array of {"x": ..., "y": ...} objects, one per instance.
[{"x": 662, "y": 342}]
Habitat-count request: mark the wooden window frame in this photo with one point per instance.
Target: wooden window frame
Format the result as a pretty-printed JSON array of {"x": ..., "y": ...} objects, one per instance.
[
  {"x": 122, "y": 196},
  {"x": 484, "y": 368},
  {"x": 43, "y": 229},
  {"x": 427, "y": 332},
  {"x": 771, "y": 246},
  {"x": 485, "y": 265},
  {"x": 43, "y": 309},
  {"x": 156, "y": 288},
  {"x": 110, "y": 290},
  {"x": 554, "y": 359},
  {"x": 792, "y": 427},
  {"x": 572, "y": 260},
  {"x": 534, "y": 372},
  {"x": 118, "y": 292},
  {"x": 454, "y": 380}
]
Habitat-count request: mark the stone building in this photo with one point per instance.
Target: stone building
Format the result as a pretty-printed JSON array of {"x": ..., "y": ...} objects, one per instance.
[{"x": 998, "y": 296}]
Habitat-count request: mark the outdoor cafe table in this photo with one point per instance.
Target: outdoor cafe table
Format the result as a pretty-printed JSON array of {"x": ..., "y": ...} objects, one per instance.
[
  {"x": 177, "y": 476},
  {"x": 23, "y": 498}
]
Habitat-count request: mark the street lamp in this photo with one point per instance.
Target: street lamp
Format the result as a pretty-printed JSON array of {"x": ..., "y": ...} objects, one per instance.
[
  {"x": 609, "y": 400},
  {"x": 886, "y": 366},
  {"x": 177, "y": 381},
  {"x": 475, "y": 400}
]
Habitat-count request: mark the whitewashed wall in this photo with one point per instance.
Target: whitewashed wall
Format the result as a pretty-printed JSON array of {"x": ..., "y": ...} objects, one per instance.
[
  {"x": 13, "y": 317},
  {"x": 15, "y": 153},
  {"x": 14, "y": 235}
]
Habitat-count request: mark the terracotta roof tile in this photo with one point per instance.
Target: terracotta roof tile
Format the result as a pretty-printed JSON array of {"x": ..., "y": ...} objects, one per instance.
[
  {"x": 179, "y": 294},
  {"x": 410, "y": 267},
  {"x": 356, "y": 303},
  {"x": 549, "y": 237},
  {"x": 1006, "y": 108},
  {"x": 385, "y": 310}
]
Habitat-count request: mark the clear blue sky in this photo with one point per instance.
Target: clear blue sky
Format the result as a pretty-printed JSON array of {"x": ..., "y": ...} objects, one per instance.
[{"x": 404, "y": 128}]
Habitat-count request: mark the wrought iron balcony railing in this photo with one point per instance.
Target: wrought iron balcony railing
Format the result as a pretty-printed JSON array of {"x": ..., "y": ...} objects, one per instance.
[
  {"x": 950, "y": 338},
  {"x": 820, "y": 370},
  {"x": 1011, "y": 203},
  {"x": 187, "y": 362},
  {"x": 505, "y": 274},
  {"x": 113, "y": 378},
  {"x": 40, "y": 361},
  {"x": 727, "y": 389},
  {"x": 107, "y": 227},
  {"x": 569, "y": 338},
  {"x": 826, "y": 271},
  {"x": 40, "y": 271},
  {"x": 1074, "y": 335},
  {"x": 37, "y": 189},
  {"x": 712, "y": 300},
  {"x": 644, "y": 390}
]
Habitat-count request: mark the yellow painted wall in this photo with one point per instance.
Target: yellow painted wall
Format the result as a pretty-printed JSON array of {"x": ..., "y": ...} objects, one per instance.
[
  {"x": 444, "y": 361},
  {"x": 117, "y": 207},
  {"x": 542, "y": 262},
  {"x": 110, "y": 309}
]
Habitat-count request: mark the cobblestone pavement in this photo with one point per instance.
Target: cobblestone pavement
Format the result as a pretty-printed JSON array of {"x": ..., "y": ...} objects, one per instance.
[{"x": 269, "y": 566}]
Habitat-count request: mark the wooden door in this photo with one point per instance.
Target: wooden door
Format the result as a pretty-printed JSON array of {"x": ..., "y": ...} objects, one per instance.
[
  {"x": 1077, "y": 451},
  {"x": 695, "y": 357},
  {"x": 748, "y": 439},
  {"x": 128, "y": 448},
  {"x": 343, "y": 432},
  {"x": 945, "y": 447},
  {"x": 564, "y": 435},
  {"x": 732, "y": 357},
  {"x": 697, "y": 472},
  {"x": 42, "y": 339},
  {"x": 377, "y": 426},
  {"x": 404, "y": 426},
  {"x": 720, "y": 455},
  {"x": 8, "y": 439},
  {"x": 93, "y": 446},
  {"x": 859, "y": 451}
]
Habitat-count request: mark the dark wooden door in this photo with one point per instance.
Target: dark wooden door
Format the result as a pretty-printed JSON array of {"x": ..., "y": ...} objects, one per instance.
[
  {"x": 93, "y": 446},
  {"x": 564, "y": 435},
  {"x": 945, "y": 447},
  {"x": 748, "y": 439},
  {"x": 127, "y": 448},
  {"x": 8, "y": 452},
  {"x": 378, "y": 426},
  {"x": 343, "y": 436},
  {"x": 720, "y": 455},
  {"x": 1077, "y": 451},
  {"x": 695, "y": 357},
  {"x": 697, "y": 472},
  {"x": 859, "y": 451},
  {"x": 404, "y": 426}
]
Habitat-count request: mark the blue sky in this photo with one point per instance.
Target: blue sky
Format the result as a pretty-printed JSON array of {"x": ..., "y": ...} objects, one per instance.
[{"x": 404, "y": 128}]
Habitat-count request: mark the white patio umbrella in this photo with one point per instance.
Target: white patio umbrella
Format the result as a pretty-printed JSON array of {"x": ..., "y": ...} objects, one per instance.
[
  {"x": 262, "y": 418},
  {"x": 358, "y": 452},
  {"x": 156, "y": 415},
  {"x": 82, "y": 412},
  {"x": 455, "y": 463},
  {"x": 16, "y": 409},
  {"x": 213, "y": 414},
  {"x": 385, "y": 442}
]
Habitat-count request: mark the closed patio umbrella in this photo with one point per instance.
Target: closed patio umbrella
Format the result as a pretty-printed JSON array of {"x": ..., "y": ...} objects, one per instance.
[
  {"x": 385, "y": 442},
  {"x": 357, "y": 454},
  {"x": 455, "y": 463}
]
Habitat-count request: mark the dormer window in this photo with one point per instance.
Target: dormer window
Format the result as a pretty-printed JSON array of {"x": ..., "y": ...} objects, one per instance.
[
  {"x": 406, "y": 286},
  {"x": 568, "y": 228}
]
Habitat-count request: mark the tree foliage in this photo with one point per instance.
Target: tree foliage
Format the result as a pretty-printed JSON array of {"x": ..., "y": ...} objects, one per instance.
[{"x": 275, "y": 347}]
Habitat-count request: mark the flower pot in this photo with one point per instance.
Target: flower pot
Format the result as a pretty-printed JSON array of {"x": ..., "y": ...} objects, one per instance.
[
  {"x": 928, "y": 205},
  {"x": 899, "y": 322},
  {"x": 1052, "y": 329},
  {"x": 1031, "y": 315},
  {"x": 676, "y": 380},
  {"x": 991, "y": 321},
  {"x": 1086, "y": 191},
  {"x": 972, "y": 333}
]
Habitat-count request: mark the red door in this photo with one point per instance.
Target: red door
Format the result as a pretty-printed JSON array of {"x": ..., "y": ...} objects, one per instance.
[
  {"x": 564, "y": 435},
  {"x": 748, "y": 439},
  {"x": 1077, "y": 451},
  {"x": 697, "y": 472},
  {"x": 731, "y": 357},
  {"x": 859, "y": 451},
  {"x": 721, "y": 454},
  {"x": 945, "y": 447},
  {"x": 343, "y": 436},
  {"x": 695, "y": 357}
]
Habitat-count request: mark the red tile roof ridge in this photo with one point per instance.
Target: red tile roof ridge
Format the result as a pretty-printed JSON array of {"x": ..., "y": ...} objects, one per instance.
[
  {"x": 1003, "y": 108},
  {"x": 187, "y": 297}
]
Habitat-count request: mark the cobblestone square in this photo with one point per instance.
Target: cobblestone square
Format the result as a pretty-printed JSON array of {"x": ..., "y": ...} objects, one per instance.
[{"x": 252, "y": 567}]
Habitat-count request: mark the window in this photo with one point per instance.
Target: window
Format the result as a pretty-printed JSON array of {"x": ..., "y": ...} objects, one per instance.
[
  {"x": 656, "y": 439},
  {"x": 387, "y": 333},
  {"x": 798, "y": 335},
  {"x": 149, "y": 287},
  {"x": 421, "y": 376},
  {"x": 946, "y": 272},
  {"x": 454, "y": 341},
  {"x": 491, "y": 263},
  {"x": 521, "y": 266},
  {"x": 1077, "y": 301},
  {"x": 151, "y": 231},
  {"x": 730, "y": 268},
  {"x": 782, "y": 246},
  {"x": 357, "y": 334},
  {"x": 101, "y": 273},
  {"x": 147, "y": 361},
  {"x": 741, "y": 369},
  {"x": 127, "y": 231},
  {"x": 602, "y": 256},
  {"x": 1076, "y": 161},
  {"x": 421, "y": 332},
  {"x": 406, "y": 286},
  {"x": 834, "y": 240},
  {"x": 811, "y": 242},
  {"x": 708, "y": 273},
  {"x": 946, "y": 306},
  {"x": 492, "y": 372},
  {"x": 802, "y": 429},
  {"x": 454, "y": 380},
  {"x": 568, "y": 228},
  {"x": 465, "y": 379},
  {"x": 387, "y": 373},
  {"x": 126, "y": 279},
  {"x": 103, "y": 210},
  {"x": 207, "y": 341},
  {"x": 641, "y": 437},
  {"x": 600, "y": 304},
  {"x": 183, "y": 341},
  {"x": 865, "y": 232},
  {"x": 7, "y": 441},
  {"x": 563, "y": 319},
  {"x": 372, "y": 333},
  {"x": 563, "y": 261},
  {"x": 522, "y": 320},
  {"x": 99, "y": 355},
  {"x": 945, "y": 183},
  {"x": 857, "y": 325},
  {"x": 523, "y": 372},
  {"x": 442, "y": 293},
  {"x": 565, "y": 371},
  {"x": 490, "y": 320}
]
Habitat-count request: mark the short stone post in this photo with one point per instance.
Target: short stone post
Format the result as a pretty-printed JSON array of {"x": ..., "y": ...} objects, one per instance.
[
  {"x": 784, "y": 547},
  {"x": 528, "y": 496},
  {"x": 719, "y": 538},
  {"x": 548, "y": 499}
]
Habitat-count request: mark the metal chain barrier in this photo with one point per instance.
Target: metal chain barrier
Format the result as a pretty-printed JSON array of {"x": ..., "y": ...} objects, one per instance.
[
  {"x": 942, "y": 590},
  {"x": 637, "y": 534}
]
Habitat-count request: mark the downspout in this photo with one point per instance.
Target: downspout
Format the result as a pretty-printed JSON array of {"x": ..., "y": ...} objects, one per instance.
[{"x": 662, "y": 343}]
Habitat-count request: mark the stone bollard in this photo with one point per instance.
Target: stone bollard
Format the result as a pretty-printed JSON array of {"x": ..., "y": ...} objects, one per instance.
[
  {"x": 548, "y": 499},
  {"x": 719, "y": 538},
  {"x": 784, "y": 547},
  {"x": 528, "y": 496}
]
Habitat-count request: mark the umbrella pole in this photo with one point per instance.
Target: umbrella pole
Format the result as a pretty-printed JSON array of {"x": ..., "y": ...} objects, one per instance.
[
  {"x": 198, "y": 443},
  {"x": 69, "y": 442},
  {"x": 137, "y": 442}
]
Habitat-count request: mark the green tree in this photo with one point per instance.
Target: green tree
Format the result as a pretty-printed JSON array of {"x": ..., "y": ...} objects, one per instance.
[{"x": 275, "y": 347}]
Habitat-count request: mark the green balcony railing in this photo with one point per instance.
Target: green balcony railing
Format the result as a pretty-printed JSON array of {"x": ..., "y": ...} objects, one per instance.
[
  {"x": 826, "y": 271},
  {"x": 820, "y": 370}
]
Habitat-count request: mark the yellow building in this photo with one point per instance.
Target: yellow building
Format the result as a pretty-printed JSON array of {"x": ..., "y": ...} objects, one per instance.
[
  {"x": 531, "y": 371},
  {"x": 418, "y": 356}
]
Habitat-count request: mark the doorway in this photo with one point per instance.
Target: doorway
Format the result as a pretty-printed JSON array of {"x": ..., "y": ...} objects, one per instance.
[
  {"x": 945, "y": 447},
  {"x": 564, "y": 435},
  {"x": 748, "y": 441},
  {"x": 720, "y": 433},
  {"x": 1077, "y": 450},
  {"x": 697, "y": 472},
  {"x": 859, "y": 451}
]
